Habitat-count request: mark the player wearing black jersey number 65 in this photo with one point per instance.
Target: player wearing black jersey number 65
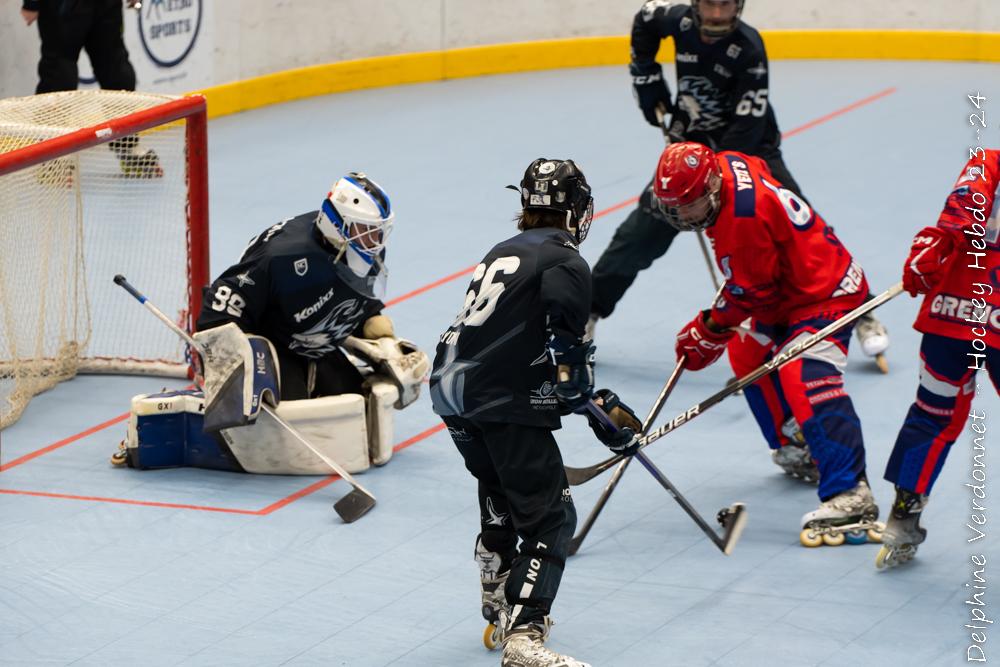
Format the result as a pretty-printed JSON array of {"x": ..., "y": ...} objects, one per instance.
[{"x": 723, "y": 102}]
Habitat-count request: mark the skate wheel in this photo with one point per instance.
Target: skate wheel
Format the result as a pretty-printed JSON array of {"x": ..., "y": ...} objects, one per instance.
[
  {"x": 875, "y": 536},
  {"x": 119, "y": 459},
  {"x": 810, "y": 539},
  {"x": 856, "y": 537},
  {"x": 833, "y": 539},
  {"x": 490, "y": 637},
  {"x": 882, "y": 559}
]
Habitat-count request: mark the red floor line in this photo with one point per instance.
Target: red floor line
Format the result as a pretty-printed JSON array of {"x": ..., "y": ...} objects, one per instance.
[
  {"x": 839, "y": 112},
  {"x": 125, "y": 501},
  {"x": 426, "y": 288},
  {"x": 302, "y": 493},
  {"x": 62, "y": 443},
  {"x": 273, "y": 507}
]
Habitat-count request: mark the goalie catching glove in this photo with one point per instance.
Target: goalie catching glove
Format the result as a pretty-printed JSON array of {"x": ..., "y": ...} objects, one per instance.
[
  {"x": 398, "y": 359},
  {"x": 624, "y": 439},
  {"x": 929, "y": 252}
]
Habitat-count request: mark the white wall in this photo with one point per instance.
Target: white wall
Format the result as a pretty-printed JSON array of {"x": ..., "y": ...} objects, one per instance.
[{"x": 238, "y": 39}]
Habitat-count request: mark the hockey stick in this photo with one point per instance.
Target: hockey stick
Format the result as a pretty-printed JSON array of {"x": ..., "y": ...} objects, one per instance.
[
  {"x": 654, "y": 412},
  {"x": 661, "y": 115},
  {"x": 578, "y": 476},
  {"x": 352, "y": 506},
  {"x": 733, "y": 519}
]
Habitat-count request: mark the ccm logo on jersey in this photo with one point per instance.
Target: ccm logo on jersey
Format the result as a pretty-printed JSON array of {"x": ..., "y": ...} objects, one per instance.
[
  {"x": 947, "y": 307},
  {"x": 312, "y": 310}
]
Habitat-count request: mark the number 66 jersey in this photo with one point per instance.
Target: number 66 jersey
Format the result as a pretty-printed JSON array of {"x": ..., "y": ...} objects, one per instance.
[{"x": 492, "y": 364}]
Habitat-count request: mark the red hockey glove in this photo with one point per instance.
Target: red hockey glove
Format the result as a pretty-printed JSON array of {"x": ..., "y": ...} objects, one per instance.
[
  {"x": 699, "y": 345},
  {"x": 930, "y": 250}
]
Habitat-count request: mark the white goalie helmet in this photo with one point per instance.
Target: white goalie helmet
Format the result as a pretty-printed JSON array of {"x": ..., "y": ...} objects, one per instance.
[{"x": 356, "y": 218}]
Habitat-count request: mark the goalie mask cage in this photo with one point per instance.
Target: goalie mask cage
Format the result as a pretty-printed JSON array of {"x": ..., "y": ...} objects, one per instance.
[{"x": 92, "y": 184}]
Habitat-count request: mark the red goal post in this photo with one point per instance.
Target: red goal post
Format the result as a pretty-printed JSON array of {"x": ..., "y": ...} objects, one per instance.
[{"x": 92, "y": 184}]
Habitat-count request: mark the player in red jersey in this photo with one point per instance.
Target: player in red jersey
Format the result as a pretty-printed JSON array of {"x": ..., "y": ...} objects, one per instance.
[
  {"x": 956, "y": 264},
  {"x": 790, "y": 275}
]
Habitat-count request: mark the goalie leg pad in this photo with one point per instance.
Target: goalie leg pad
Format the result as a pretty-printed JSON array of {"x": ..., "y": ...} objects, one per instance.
[
  {"x": 335, "y": 425},
  {"x": 382, "y": 396},
  {"x": 165, "y": 430}
]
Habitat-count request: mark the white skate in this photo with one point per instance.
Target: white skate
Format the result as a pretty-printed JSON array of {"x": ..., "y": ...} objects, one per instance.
[
  {"x": 795, "y": 458},
  {"x": 523, "y": 647},
  {"x": 902, "y": 531},
  {"x": 796, "y": 461},
  {"x": 494, "y": 603},
  {"x": 874, "y": 340},
  {"x": 849, "y": 517}
]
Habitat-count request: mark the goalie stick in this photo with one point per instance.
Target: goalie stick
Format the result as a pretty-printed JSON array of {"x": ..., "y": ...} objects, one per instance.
[
  {"x": 352, "y": 506},
  {"x": 733, "y": 518},
  {"x": 578, "y": 476}
]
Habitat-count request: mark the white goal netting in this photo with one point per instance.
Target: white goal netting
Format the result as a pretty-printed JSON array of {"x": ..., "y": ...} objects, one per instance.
[{"x": 70, "y": 223}]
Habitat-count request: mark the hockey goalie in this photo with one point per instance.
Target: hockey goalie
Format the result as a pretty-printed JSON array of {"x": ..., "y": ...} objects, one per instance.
[{"x": 296, "y": 324}]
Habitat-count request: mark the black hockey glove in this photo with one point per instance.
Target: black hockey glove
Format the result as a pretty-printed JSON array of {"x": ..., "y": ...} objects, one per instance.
[
  {"x": 574, "y": 373},
  {"x": 624, "y": 440},
  {"x": 650, "y": 90}
]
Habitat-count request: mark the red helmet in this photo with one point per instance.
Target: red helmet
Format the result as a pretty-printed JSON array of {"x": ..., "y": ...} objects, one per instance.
[{"x": 686, "y": 186}]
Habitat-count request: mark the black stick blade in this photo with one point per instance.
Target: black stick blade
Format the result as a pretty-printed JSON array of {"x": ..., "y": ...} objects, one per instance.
[{"x": 354, "y": 505}]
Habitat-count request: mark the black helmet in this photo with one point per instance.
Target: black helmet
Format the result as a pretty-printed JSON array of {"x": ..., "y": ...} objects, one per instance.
[
  {"x": 715, "y": 33},
  {"x": 559, "y": 185}
]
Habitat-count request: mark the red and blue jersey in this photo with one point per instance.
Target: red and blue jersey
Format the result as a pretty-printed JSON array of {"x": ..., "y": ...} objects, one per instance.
[
  {"x": 781, "y": 261},
  {"x": 971, "y": 215}
]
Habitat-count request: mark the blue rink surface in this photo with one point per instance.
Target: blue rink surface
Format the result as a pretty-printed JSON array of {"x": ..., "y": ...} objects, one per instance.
[{"x": 203, "y": 568}]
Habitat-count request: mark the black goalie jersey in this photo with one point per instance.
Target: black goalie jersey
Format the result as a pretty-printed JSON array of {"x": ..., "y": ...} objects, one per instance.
[
  {"x": 287, "y": 288},
  {"x": 492, "y": 364},
  {"x": 722, "y": 88}
]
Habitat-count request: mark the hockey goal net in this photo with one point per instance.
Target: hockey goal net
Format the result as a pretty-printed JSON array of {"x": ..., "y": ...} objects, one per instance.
[{"x": 92, "y": 184}]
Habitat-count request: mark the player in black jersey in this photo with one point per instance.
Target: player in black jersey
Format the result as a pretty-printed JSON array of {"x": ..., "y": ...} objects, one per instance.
[
  {"x": 510, "y": 364},
  {"x": 722, "y": 102},
  {"x": 309, "y": 282}
]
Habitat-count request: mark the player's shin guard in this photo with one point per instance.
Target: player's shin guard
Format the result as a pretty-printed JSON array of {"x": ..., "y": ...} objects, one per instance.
[
  {"x": 932, "y": 424},
  {"x": 829, "y": 423},
  {"x": 532, "y": 584},
  {"x": 537, "y": 570}
]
